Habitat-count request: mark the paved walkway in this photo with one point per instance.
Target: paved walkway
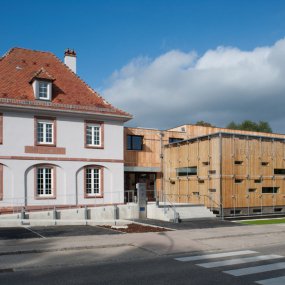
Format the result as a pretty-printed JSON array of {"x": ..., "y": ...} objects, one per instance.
[{"x": 161, "y": 243}]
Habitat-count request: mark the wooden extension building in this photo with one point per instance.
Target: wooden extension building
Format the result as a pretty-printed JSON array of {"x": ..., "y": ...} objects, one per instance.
[
  {"x": 143, "y": 154},
  {"x": 231, "y": 172}
]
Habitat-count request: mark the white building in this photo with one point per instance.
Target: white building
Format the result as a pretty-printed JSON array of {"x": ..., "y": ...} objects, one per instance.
[{"x": 60, "y": 142}]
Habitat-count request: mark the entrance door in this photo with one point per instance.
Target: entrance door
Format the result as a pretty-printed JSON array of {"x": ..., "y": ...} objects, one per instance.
[{"x": 131, "y": 178}]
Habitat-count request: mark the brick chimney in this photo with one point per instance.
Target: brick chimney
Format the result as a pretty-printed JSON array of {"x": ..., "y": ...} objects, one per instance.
[{"x": 70, "y": 59}]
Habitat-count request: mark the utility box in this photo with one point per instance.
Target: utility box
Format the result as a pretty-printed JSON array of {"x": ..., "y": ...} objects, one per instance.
[{"x": 141, "y": 190}]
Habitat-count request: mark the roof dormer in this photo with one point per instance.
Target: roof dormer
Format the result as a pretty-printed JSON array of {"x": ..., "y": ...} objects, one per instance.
[{"x": 42, "y": 85}]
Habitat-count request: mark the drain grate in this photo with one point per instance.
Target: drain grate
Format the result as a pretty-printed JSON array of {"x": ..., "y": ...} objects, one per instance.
[{"x": 5, "y": 270}]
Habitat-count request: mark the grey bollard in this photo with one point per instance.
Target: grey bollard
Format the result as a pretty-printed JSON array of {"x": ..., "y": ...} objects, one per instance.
[
  {"x": 176, "y": 218},
  {"x": 54, "y": 215},
  {"x": 116, "y": 212},
  {"x": 86, "y": 216},
  {"x": 23, "y": 215}
]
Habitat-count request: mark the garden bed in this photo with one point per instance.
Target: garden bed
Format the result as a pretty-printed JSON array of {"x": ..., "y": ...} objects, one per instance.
[{"x": 136, "y": 228}]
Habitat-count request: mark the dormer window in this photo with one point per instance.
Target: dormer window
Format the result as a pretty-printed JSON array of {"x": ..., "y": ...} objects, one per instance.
[
  {"x": 42, "y": 85},
  {"x": 43, "y": 90}
]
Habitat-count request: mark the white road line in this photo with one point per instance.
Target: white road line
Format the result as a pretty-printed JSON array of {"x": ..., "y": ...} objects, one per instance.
[
  {"x": 272, "y": 281},
  {"x": 34, "y": 232},
  {"x": 256, "y": 269},
  {"x": 239, "y": 261},
  {"x": 215, "y": 255}
]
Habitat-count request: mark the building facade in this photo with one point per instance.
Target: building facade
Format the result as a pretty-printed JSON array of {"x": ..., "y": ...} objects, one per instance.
[
  {"x": 61, "y": 142},
  {"x": 231, "y": 172},
  {"x": 143, "y": 157}
]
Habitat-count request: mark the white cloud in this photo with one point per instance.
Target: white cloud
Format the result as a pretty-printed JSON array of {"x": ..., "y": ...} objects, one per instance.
[{"x": 222, "y": 85}]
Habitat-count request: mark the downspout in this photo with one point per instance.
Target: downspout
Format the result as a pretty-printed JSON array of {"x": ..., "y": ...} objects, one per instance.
[{"x": 221, "y": 177}]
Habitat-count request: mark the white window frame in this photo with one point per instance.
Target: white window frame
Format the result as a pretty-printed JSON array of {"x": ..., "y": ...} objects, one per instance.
[
  {"x": 45, "y": 123},
  {"x": 95, "y": 131},
  {"x": 93, "y": 183},
  {"x": 47, "y": 188},
  {"x": 43, "y": 90},
  {"x": 37, "y": 87}
]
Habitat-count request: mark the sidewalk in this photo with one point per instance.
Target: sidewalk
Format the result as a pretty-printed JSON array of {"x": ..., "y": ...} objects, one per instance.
[{"x": 30, "y": 253}]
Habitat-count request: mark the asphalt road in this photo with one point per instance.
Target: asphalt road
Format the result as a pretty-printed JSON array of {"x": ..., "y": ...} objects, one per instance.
[
  {"x": 52, "y": 231},
  {"x": 158, "y": 270}
]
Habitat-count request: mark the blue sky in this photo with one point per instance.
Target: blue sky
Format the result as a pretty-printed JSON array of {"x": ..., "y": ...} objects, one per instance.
[{"x": 109, "y": 35}]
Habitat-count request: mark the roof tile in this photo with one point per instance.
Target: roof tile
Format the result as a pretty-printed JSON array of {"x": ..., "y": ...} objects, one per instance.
[{"x": 19, "y": 66}]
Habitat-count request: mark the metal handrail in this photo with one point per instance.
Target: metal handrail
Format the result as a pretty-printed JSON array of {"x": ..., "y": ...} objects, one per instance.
[
  {"x": 173, "y": 208},
  {"x": 219, "y": 205}
]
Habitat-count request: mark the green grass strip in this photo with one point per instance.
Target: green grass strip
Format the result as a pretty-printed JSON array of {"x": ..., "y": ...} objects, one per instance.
[{"x": 263, "y": 222}]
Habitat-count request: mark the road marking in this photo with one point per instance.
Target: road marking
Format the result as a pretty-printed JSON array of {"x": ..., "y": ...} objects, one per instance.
[
  {"x": 272, "y": 281},
  {"x": 34, "y": 232},
  {"x": 215, "y": 255},
  {"x": 239, "y": 261},
  {"x": 256, "y": 269}
]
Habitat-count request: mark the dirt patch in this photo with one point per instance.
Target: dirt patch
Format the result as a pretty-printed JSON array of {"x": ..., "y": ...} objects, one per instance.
[{"x": 137, "y": 228}]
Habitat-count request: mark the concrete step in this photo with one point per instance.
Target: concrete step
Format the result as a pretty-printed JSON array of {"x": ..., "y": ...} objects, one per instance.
[{"x": 189, "y": 211}]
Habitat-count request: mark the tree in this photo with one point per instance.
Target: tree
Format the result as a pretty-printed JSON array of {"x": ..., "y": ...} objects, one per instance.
[
  {"x": 204, "y": 124},
  {"x": 248, "y": 125}
]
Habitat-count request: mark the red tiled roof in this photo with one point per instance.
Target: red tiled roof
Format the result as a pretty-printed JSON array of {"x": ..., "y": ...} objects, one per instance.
[
  {"x": 42, "y": 74},
  {"x": 19, "y": 66}
]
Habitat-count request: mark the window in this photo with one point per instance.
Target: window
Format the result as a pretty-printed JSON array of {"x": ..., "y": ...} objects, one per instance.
[
  {"x": 93, "y": 135},
  {"x": 256, "y": 210},
  {"x": 251, "y": 190},
  {"x": 1, "y": 128},
  {"x": 45, "y": 132},
  {"x": 173, "y": 140},
  {"x": 235, "y": 212},
  {"x": 279, "y": 171},
  {"x": 212, "y": 190},
  {"x": 238, "y": 181},
  {"x": 134, "y": 142},
  {"x": 257, "y": 180},
  {"x": 238, "y": 162},
  {"x": 43, "y": 90},
  {"x": 270, "y": 190},
  {"x": 93, "y": 181},
  {"x": 206, "y": 163},
  {"x": 185, "y": 171},
  {"x": 196, "y": 193},
  {"x": 1, "y": 181},
  {"x": 212, "y": 171},
  {"x": 264, "y": 163},
  {"x": 201, "y": 181},
  {"x": 277, "y": 209},
  {"x": 45, "y": 181}
]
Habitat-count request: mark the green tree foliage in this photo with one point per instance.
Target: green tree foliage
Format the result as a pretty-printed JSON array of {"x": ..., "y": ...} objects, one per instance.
[
  {"x": 204, "y": 124},
  {"x": 248, "y": 125}
]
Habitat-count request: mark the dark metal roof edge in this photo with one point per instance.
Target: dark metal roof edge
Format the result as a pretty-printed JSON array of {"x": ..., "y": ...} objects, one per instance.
[{"x": 227, "y": 133}]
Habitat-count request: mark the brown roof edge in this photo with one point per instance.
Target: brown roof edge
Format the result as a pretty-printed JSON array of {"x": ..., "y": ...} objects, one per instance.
[{"x": 60, "y": 107}]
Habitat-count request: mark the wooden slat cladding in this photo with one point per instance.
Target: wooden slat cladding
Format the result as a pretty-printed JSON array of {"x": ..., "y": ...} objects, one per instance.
[
  {"x": 196, "y": 131},
  {"x": 149, "y": 156},
  {"x": 238, "y": 166}
]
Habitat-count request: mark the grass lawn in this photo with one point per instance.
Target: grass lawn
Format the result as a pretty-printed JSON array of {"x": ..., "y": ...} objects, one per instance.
[{"x": 263, "y": 222}]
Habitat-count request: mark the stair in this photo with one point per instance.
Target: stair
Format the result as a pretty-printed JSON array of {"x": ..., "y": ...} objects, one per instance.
[{"x": 185, "y": 211}]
